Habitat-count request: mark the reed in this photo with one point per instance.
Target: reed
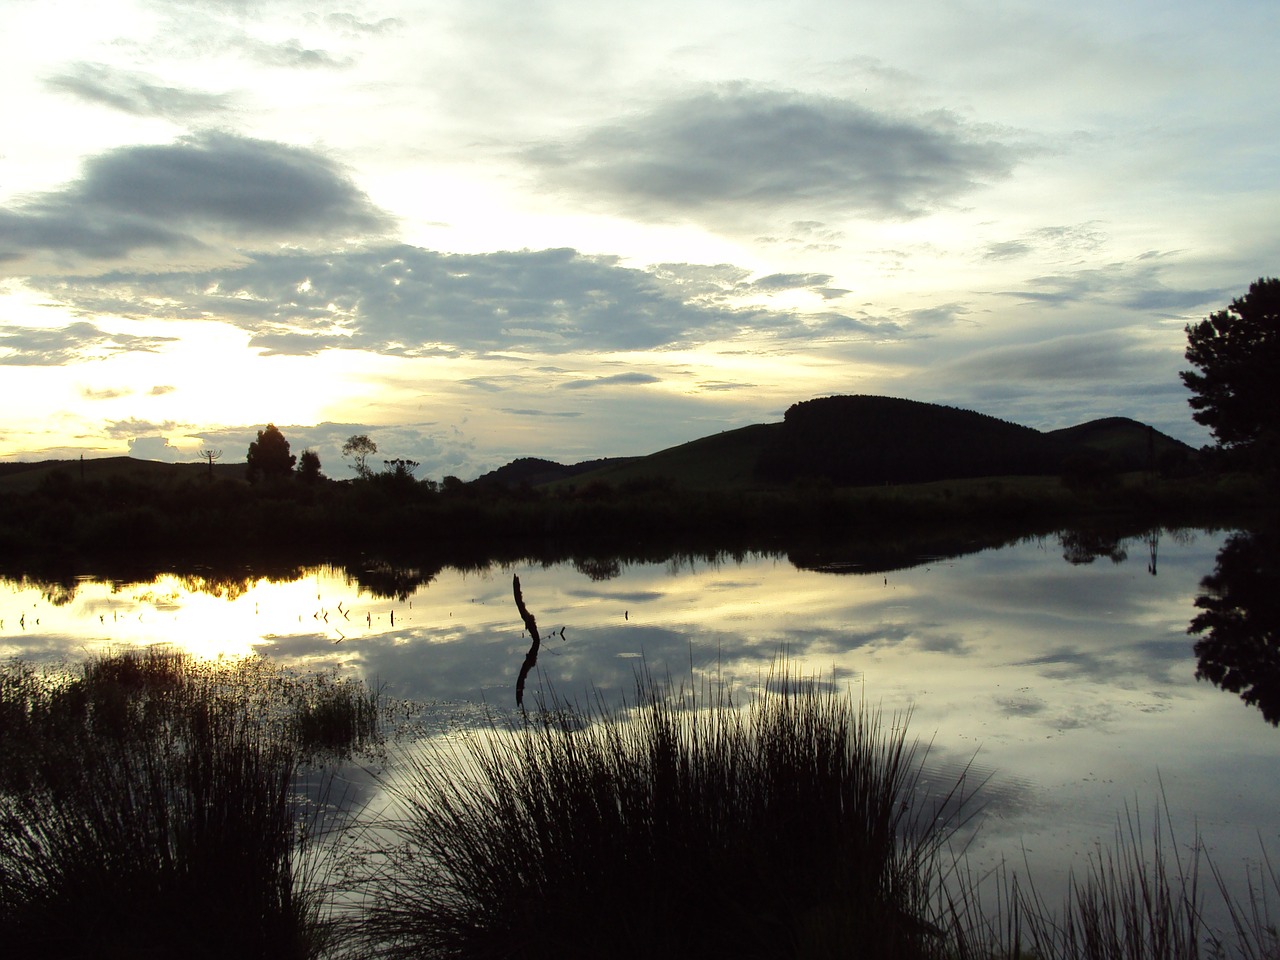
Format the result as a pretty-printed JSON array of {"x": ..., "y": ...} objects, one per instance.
[
  {"x": 149, "y": 808},
  {"x": 334, "y": 716},
  {"x": 682, "y": 827},
  {"x": 1140, "y": 897}
]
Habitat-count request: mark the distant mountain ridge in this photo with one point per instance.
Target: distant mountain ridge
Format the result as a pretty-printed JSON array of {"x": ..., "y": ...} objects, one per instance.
[
  {"x": 859, "y": 440},
  {"x": 842, "y": 439}
]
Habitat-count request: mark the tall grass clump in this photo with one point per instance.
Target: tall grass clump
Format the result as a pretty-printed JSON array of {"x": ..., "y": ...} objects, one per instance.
[
  {"x": 148, "y": 809},
  {"x": 684, "y": 827},
  {"x": 334, "y": 715},
  {"x": 1139, "y": 898}
]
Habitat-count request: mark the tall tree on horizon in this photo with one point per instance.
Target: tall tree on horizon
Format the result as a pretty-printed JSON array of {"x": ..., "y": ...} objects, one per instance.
[
  {"x": 269, "y": 455},
  {"x": 1237, "y": 354}
]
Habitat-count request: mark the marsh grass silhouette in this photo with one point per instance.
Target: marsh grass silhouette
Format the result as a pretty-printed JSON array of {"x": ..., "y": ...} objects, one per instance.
[
  {"x": 682, "y": 827},
  {"x": 147, "y": 808}
]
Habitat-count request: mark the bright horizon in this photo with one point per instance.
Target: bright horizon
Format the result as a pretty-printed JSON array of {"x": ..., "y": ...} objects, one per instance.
[{"x": 485, "y": 230}]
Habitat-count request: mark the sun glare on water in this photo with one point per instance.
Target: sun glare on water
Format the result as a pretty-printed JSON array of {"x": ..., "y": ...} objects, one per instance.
[{"x": 205, "y": 617}]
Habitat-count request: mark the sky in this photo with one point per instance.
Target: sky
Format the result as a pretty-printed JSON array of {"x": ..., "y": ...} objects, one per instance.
[{"x": 486, "y": 229}]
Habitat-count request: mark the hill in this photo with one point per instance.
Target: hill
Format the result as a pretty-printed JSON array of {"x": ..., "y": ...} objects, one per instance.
[
  {"x": 1128, "y": 444},
  {"x": 536, "y": 472},
  {"x": 861, "y": 440},
  {"x": 21, "y": 476}
]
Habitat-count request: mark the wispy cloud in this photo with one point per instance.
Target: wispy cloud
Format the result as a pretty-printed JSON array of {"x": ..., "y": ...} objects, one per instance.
[
  {"x": 136, "y": 93},
  {"x": 614, "y": 380},
  {"x": 40, "y": 346}
]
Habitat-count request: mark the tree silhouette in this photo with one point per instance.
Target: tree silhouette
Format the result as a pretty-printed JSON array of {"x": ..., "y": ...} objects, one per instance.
[
  {"x": 208, "y": 453},
  {"x": 1237, "y": 351},
  {"x": 1239, "y": 621},
  {"x": 359, "y": 447},
  {"x": 309, "y": 466},
  {"x": 269, "y": 455}
]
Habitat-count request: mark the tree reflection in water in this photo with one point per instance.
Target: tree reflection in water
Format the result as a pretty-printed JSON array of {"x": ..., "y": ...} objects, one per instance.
[
  {"x": 1081, "y": 546},
  {"x": 1239, "y": 622}
]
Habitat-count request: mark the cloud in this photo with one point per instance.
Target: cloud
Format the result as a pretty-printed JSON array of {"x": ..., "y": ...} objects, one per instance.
[
  {"x": 438, "y": 449},
  {"x": 715, "y": 156},
  {"x": 106, "y": 393},
  {"x": 1134, "y": 284},
  {"x": 1107, "y": 356},
  {"x": 133, "y": 427},
  {"x": 819, "y": 283},
  {"x": 1008, "y": 250},
  {"x": 617, "y": 379},
  {"x": 352, "y": 25},
  {"x": 406, "y": 301},
  {"x": 182, "y": 195},
  {"x": 154, "y": 448},
  {"x": 1068, "y": 241},
  {"x": 161, "y": 389},
  {"x": 136, "y": 93},
  {"x": 40, "y": 346},
  {"x": 291, "y": 55},
  {"x": 528, "y": 412}
]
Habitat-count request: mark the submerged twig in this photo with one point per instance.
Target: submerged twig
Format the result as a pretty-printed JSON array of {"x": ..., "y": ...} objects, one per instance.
[{"x": 531, "y": 657}]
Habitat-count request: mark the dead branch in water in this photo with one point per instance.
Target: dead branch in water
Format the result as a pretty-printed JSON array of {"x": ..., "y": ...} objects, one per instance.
[{"x": 531, "y": 657}]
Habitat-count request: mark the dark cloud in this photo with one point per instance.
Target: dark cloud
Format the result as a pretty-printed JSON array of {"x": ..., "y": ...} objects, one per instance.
[
  {"x": 40, "y": 346},
  {"x": 178, "y": 196},
  {"x": 406, "y": 301},
  {"x": 719, "y": 155},
  {"x": 136, "y": 94},
  {"x": 159, "y": 390},
  {"x": 614, "y": 380}
]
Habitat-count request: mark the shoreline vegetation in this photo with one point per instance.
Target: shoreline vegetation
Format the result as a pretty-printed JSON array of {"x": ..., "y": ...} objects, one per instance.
[
  {"x": 148, "y": 517},
  {"x": 155, "y": 805},
  {"x": 835, "y": 468}
]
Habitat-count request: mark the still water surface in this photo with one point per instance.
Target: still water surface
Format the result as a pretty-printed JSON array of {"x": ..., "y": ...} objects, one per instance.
[{"x": 1069, "y": 682}]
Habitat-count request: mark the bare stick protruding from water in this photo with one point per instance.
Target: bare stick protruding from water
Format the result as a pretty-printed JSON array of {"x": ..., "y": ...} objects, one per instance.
[{"x": 531, "y": 657}]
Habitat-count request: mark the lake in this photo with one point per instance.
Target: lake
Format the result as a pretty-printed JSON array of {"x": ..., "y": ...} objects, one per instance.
[{"x": 1057, "y": 669}]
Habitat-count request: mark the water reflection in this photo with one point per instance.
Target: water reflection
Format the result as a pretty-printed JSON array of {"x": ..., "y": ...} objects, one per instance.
[
  {"x": 1239, "y": 621},
  {"x": 1073, "y": 682}
]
